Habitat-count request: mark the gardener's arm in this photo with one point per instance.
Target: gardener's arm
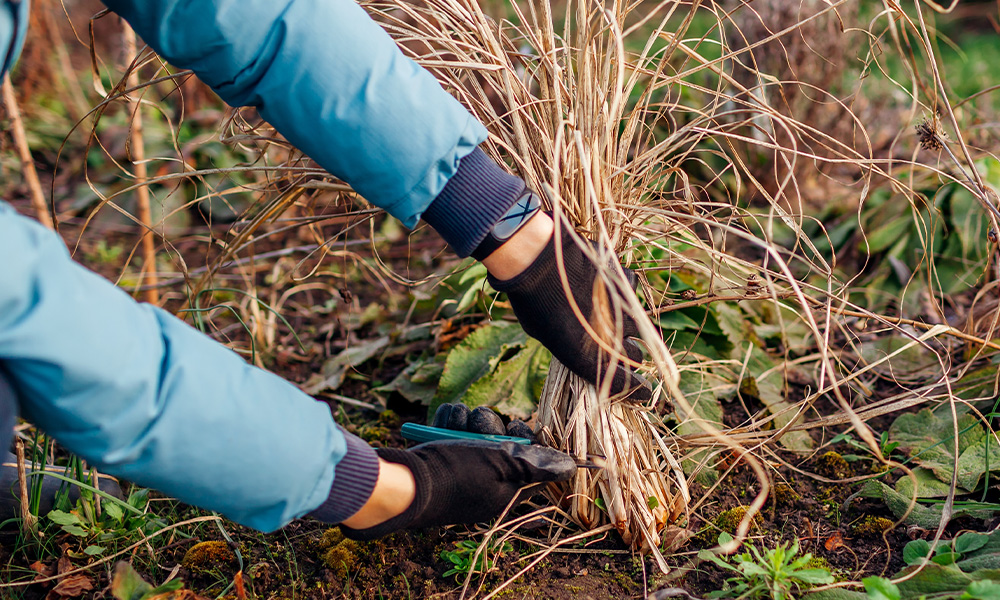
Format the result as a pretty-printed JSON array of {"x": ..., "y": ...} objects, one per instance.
[
  {"x": 146, "y": 397},
  {"x": 335, "y": 85}
]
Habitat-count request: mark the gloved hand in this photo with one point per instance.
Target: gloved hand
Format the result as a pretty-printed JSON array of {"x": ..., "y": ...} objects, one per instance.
[
  {"x": 540, "y": 303},
  {"x": 461, "y": 482},
  {"x": 482, "y": 419}
]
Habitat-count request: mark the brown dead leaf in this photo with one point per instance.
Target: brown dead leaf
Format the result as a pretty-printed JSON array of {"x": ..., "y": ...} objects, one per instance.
[
  {"x": 42, "y": 569},
  {"x": 65, "y": 565},
  {"x": 674, "y": 537},
  {"x": 834, "y": 542},
  {"x": 71, "y": 587}
]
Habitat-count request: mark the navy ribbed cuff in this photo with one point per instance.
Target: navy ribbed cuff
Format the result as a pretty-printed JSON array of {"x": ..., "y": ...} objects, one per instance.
[
  {"x": 473, "y": 200},
  {"x": 353, "y": 482},
  {"x": 8, "y": 413}
]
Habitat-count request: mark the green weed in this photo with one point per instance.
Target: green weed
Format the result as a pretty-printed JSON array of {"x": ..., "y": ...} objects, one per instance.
[
  {"x": 464, "y": 560},
  {"x": 776, "y": 573}
]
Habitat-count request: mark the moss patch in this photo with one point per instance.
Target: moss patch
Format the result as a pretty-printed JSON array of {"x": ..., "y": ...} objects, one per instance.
[
  {"x": 207, "y": 555},
  {"x": 833, "y": 466},
  {"x": 337, "y": 552},
  {"x": 871, "y": 527}
]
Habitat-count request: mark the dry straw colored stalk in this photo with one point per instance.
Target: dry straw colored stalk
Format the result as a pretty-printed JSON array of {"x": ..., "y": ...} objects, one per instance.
[
  {"x": 137, "y": 146},
  {"x": 24, "y": 153}
]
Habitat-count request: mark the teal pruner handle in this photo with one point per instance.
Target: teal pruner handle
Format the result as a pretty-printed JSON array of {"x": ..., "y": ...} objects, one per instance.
[{"x": 423, "y": 433}]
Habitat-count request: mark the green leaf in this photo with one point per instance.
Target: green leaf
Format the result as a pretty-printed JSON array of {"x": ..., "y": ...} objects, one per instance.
[
  {"x": 814, "y": 576},
  {"x": 982, "y": 590},
  {"x": 139, "y": 498},
  {"x": 126, "y": 584},
  {"x": 927, "y": 517},
  {"x": 112, "y": 510},
  {"x": 75, "y": 530},
  {"x": 477, "y": 356},
  {"x": 335, "y": 369},
  {"x": 916, "y": 551},
  {"x": 927, "y": 486},
  {"x": 418, "y": 382},
  {"x": 677, "y": 320},
  {"x": 701, "y": 388},
  {"x": 94, "y": 550},
  {"x": 945, "y": 558},
  {"x": 978, "y": 459},
  {"x": 985, "y": 557},
  {"x": 929, "y": 439},
  {"x": 63, "y": 518},
  {"x": 970, "y": 542},
  {"x": 937, "y": 579},
  {"x": 170, "y": 586},
  {"x": 513, "y": 387},
  {"x": 880, "y": 588},
  {"x": 886, "y": 235},
  {"x": 764, "y": 383}
]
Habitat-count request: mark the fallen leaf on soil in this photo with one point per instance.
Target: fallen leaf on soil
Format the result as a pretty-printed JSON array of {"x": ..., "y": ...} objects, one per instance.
[
  {"x": 42, "y": 569},
  {"x": 834, "y": 541},
  {"x": 673, "y": 538},
  {"x": 65, "y": 565},
  {"x": 71, "y": 587}
]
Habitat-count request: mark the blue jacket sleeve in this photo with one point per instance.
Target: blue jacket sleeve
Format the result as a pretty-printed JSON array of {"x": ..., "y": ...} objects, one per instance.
[
  {"x": 146, "y": 397},
  {"x": 330, "y": 80}
]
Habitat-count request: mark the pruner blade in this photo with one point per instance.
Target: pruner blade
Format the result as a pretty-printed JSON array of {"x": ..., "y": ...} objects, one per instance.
[{"x": 593, "y": 462}]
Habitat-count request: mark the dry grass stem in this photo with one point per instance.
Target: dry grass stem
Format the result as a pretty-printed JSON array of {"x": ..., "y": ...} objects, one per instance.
[
  {"x": 24, "y": 153},
  {"x": 138, "y": 155}
]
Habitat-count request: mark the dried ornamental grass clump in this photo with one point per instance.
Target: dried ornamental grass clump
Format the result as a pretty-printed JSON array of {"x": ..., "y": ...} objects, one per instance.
[
  {"x": 594, "y": 109},
  {"x": 558, "y": 108}
]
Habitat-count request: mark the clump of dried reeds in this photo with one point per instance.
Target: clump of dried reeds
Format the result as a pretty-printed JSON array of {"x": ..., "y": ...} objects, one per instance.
[
  {"x": 560, "y": 112},
  {"x": 605, "y": 114}
]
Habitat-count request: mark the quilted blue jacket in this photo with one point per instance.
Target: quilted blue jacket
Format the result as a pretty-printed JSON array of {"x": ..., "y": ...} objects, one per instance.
[{"x": 139, "y": 393}]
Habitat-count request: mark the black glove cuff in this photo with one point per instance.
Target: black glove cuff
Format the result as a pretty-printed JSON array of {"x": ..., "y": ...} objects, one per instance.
[{"x": 421, "y": 499}]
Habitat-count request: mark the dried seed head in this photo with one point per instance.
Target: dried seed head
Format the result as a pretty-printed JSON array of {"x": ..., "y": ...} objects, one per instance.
[
  {"x": 689, "y": 295},
  {"x": 929, "y": 135},
  {"x": 992, "y": 236},
  {"x": 753, "y": 281}
]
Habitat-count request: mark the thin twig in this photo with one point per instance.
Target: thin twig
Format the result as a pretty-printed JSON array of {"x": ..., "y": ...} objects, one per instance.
[
  {"x": 138, "y": 155},
  {"x": 24, "y": 153}
]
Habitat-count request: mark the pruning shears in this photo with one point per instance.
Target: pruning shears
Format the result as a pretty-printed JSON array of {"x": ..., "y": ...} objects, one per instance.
[{"x": 424, "y": 433}]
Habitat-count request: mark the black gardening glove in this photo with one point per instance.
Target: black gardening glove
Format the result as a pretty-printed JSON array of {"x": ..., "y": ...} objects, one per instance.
[
  {"x": 540, "y": 303},
  {"x": 481, "y": 419},
  {"x": 462, "y": 482}
]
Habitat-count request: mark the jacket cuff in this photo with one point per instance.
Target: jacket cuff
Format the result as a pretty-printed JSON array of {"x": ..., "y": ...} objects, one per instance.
[
  {"x": 8, "y": 412},
  {"x": 473, "y": 200},
  {"x": 353, "y": 481}
]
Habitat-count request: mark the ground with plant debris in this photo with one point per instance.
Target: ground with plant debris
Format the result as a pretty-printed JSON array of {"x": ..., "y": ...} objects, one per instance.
[{"x": 384, "y": 325}]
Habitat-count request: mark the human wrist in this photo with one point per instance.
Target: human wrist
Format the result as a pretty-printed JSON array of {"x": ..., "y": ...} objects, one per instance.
[
  {"x": 522, "y": 249},
  {"x": 393, "y": 494}
]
